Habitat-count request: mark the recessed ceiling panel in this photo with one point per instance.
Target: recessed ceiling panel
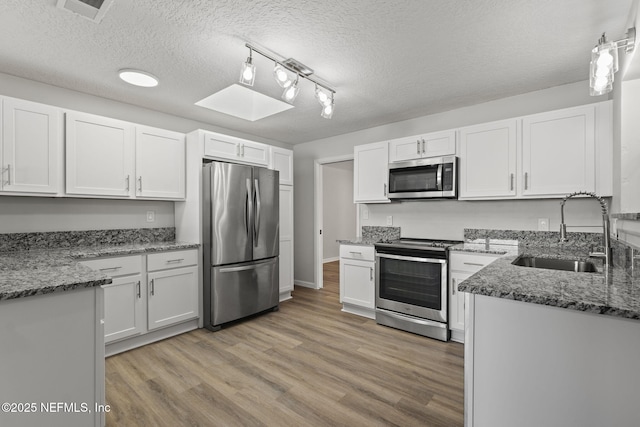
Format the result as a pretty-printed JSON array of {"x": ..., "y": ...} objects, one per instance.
[{"x": 240, "y": 101}]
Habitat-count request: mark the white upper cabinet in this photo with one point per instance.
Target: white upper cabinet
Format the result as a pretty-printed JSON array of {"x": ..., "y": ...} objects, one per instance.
[
  {"x": 30, "y": 147},
  {"x": 487, "y": 160},
  {"x": 430, "y": 145},
  {"x": 371, "y": 173},
  {"x": 160, "y": 164},
  {"x": 558, "y": 152},
  {"x": 235, "y": 149},
  {"x": 539, "y": 156},
  {"x": 100, "y": 153},
  {"x": 282, "y": 161}
]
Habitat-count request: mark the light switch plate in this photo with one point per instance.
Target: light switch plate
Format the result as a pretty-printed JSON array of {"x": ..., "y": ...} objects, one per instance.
[
  {"x": 543, "y": 224},
  {"x": 365, "y": 213},
  {"x": 390, "y": 220},
  {"x": 151, "y": 216}
]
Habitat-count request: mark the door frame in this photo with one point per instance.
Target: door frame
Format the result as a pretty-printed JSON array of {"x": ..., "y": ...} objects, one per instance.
[{"x": 318, "y": 222}]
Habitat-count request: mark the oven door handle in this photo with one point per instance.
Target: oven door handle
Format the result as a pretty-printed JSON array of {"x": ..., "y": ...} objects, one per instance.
[{"x": 411, "y": 258}]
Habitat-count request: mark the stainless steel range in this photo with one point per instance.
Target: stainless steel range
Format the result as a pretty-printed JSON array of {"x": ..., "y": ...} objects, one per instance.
[{"x": 411, "y": 286}]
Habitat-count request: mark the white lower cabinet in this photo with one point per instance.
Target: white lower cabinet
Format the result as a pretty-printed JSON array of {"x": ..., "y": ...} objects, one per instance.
[
  {"x": 461, "y": 267},
  {"x": 148, "y": 293},
  {"x": 357, "y": 280}
]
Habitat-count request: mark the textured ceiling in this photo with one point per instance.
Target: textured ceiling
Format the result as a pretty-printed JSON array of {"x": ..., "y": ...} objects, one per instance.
[{"x": 387, "y": 60}]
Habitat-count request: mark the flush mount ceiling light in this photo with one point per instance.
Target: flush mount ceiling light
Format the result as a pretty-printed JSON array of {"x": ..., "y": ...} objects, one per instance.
[
  {"x": 282, "y": 71},
  {"x": 138, "y": 78},
  {"x": 604, "y": 62}
]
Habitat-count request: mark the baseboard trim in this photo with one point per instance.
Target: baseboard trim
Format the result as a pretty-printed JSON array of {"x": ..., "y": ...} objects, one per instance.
[
  {"x": 332, "y": 259},
  {"x": 305, "y": 284}
]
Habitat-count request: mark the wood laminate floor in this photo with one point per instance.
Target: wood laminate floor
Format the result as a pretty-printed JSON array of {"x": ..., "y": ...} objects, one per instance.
[{"x": 308, "y": 364}]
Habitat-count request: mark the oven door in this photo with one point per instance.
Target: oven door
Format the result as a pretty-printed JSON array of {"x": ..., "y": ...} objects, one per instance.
[{"x": 412, "y": 285}]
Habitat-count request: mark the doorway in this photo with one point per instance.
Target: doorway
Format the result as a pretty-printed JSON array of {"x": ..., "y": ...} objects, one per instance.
[{"x": 335, "y": 213}]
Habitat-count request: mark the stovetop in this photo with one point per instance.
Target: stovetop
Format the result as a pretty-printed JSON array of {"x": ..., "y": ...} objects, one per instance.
[{"x": 425, "y": 244}]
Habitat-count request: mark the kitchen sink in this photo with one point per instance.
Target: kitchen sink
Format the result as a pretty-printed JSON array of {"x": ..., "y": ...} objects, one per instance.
[{"x": 556, "y": 264}]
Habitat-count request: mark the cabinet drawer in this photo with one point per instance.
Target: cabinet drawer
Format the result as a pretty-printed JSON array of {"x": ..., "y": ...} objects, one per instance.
[
  {"x": 470, "y": 263},
  {"x": 165, "y": 260},
  {"x": 366, "y": 253},
  {"x": 116, "y": 266}
]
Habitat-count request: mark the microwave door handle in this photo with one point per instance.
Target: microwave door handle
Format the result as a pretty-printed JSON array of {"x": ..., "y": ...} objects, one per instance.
[{"x": 439, "y": 178}]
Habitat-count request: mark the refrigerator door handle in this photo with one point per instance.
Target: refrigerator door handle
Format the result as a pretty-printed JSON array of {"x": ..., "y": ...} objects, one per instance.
[
  {"x": 256, "y": 223},
  {"x": 248, "y": 206},
  {"x": 247, "y": 267}
]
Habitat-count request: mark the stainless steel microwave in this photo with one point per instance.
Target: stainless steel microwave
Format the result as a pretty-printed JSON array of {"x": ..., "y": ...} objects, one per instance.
[{"x": 434, "y": 177}]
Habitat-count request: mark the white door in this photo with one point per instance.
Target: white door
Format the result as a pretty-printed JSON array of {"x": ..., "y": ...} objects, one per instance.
[
  {"x": 456, "y": 302},
  {"x": 31, "y": 142},
  {"x": 359, "y": 285},
  {"x": 172, "y": 296},
  {"x": 160, "y": 164},
  {"x": 124, "y": 308},
  {"x": 100, "y": 154},
  {"x": 282, "y": 161},
  {"x": 405, "y": 149},
  {"x": 487, "y": 160},
  {"x": 254, "y": 152},
  {"x": 286, "y": 240},
  {"x": 439, "y": 144},
  {"x": 221, "y": 146},
  {"x": 558, "y": 152},
  {"x": 371, "y": 173}
]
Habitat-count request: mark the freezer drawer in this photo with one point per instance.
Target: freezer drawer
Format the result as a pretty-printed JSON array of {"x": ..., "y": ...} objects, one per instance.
[{"x": 241, "y": 290}]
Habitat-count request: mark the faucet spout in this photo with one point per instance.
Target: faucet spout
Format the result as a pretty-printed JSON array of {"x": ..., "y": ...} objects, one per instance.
[{"x": 607, "y": 253}]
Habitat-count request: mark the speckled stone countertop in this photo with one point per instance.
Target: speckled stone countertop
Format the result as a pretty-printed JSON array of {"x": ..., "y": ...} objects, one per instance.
[
  {"x": 612, "y": 291},
  {"x": 372, "y": 235},
  {"x": 42, "y": 271}
]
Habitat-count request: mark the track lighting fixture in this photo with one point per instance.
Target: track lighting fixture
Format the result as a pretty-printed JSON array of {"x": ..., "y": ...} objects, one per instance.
[
  {"x": 604, "y": 62},
  {"x": 248, "y": 72},
  {"x": 282, "y": 71}
]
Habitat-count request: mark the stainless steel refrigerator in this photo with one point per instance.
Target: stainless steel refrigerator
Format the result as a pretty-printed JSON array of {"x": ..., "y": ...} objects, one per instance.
[{"x": 241, "y": 241}]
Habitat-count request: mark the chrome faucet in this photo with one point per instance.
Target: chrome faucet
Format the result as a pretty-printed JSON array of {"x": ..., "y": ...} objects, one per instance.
[{"x": 606, "y": 254}]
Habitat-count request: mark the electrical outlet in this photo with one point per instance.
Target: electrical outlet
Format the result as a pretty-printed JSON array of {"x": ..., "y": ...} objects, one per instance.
[
  {"x": 365, "y": 213},
  {"x": 151, "y": 216},
  {"x": 543, "y": 224},
  {"x": 389, "y": 220}
]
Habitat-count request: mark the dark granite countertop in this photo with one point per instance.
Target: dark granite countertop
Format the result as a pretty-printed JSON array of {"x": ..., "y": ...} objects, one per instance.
[
  {"x": 613, "y": 291},
  {"x": 42, "y": 271}
]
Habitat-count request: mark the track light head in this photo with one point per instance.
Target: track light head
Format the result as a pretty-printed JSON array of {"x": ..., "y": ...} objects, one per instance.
[
  {"x": 291, "y": 92},
  {"x": 248, "y": 71},
  {"x": 281, "y": 76}
]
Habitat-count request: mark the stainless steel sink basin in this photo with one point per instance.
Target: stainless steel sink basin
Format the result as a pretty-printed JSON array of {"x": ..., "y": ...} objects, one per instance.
[{"x": 556, "y": 264}]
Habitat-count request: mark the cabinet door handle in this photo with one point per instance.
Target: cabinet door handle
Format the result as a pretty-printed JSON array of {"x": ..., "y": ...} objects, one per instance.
[
  {"x": 153, "y": 288},
  {"x": 8, "y": 174},
  {"x": 174, "y": 260},
  {"x": 526, "y": 180},
  {"x": 417, "y": 146},
  {"x": 353, "y": 252},
  {"x": 511, "y": 182},
  {"x": 453, "y": 286},
  {"x": 110, "y": 268},
  {"x": 139, "y": 295},
  {"x": 140, "y": 183},
  {"x": 238, "y": 150},
  {"x": 474, "y": 263},
  {"x": 371, "y": 273},
  {"x": 128, "y": 180},
  {"x": 423, "y": 146},
  {"x": 385, "y": 190}
]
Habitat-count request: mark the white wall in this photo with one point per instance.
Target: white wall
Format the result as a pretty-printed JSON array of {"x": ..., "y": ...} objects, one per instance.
[
  {"x": 339, "y": 211},
  {"x": 457, "y": 215},
  {"x": 22, "y": 214},
  {"x": 35, "y": 214}
]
